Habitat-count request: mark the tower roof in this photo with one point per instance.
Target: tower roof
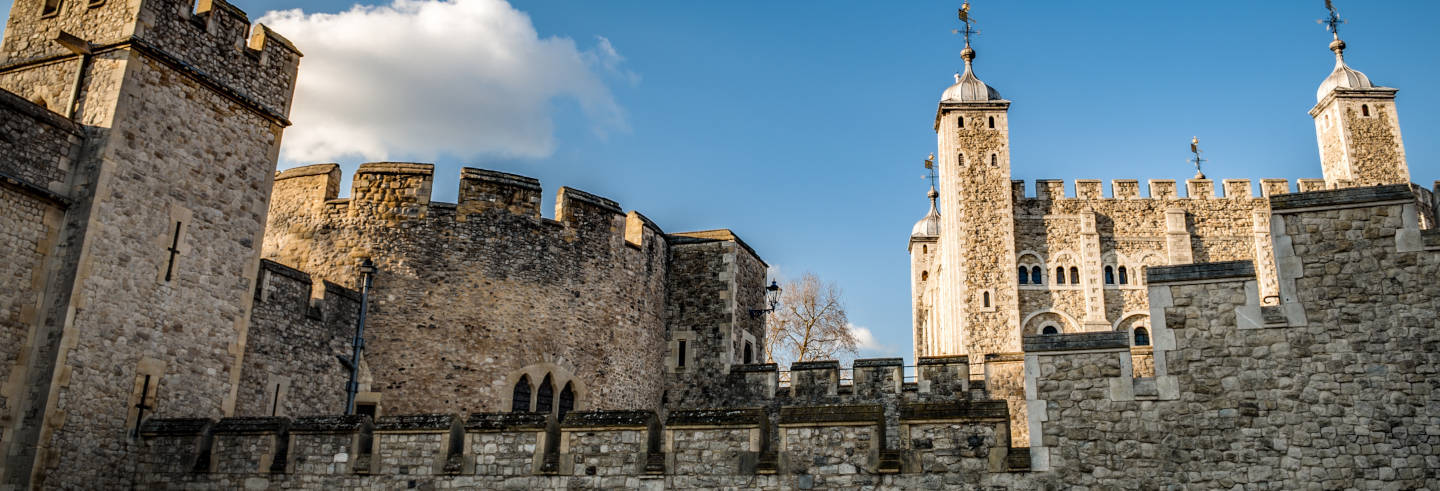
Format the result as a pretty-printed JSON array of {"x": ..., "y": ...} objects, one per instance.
[
  {"x": 930, "y": 225},
  {"x": 968, "y": 87},
  {"x": 1343, "y": 77}
]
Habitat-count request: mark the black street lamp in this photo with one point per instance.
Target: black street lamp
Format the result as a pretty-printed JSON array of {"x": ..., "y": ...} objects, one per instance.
[
  {"x": 772, "y": 299},
  {"x": 367, "y": 277}
]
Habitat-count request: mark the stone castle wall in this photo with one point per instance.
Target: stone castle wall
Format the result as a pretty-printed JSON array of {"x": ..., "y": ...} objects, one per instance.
[
  {"x": 291, "y": 349},
  {"x": 471, "y": 295},
  {"x": 175, "y": 229}
]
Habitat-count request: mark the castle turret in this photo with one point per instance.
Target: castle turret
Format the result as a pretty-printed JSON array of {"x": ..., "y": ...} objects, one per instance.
[
  {"x": 924, "y": 275},
  {"x": 1357, "y": 128},
  {"x": 976, "y": 243}
]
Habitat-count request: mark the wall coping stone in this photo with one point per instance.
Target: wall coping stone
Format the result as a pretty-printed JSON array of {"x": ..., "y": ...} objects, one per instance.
[
  {"x": 505, "y": 178},
  {"x": 713, "y": 235},
  {"x": 608, "y": 419},
  {"x": 33, "y": 110},
  {"x": 879, "y": 362},
  {"x": 338, "y": 289},
  {"x": 306, "y": 171},
  {"x": 848, "y": 413},
  {"x": 567, "y": 192},
  {"x": 943, "y": 360},
  {"x": 415, "y": 422},
  {"x": 1199, "y": 272},
  {"x": 176, "y": 427},
  {"x": 716, "y": 417},
  {"x": 1341, "y": 197},
  {"x": 285, "y": 271},
  {"x": 396, "y": 168},
  {"x": 1077, "y": 341},
  {"x": 755, "y": 367},
  {"x": 815, "y": 365},
  {"x": 252, "y": 426},
  {"x": 488, "y": 422},
  {"x": 349, "y": 423},
  {"x": 987, "y": 410}
]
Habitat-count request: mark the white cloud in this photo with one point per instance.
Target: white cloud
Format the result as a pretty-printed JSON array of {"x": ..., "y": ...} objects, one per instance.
[
  {"x": 424, "y": 77},
  {"x": 865, "y": 341}
]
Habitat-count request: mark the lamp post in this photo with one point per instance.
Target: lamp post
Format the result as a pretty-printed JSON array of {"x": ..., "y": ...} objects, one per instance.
[
  {"x": 367, "y": 277},
  {"x": 772, "y": 299}
]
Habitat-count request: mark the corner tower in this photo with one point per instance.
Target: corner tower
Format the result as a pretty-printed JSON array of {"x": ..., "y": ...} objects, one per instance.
[
  {"x": 1357, "y": 127},
  {"x": 977, "y": 304},
  {"x": 924, "y": 275}
]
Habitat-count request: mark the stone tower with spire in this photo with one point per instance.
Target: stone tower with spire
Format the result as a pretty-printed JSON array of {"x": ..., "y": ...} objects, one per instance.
[
  {"x": 977, "y": 246},
  {"x": 924, "y": 277},
  {"x": 1357, "y": 127}
]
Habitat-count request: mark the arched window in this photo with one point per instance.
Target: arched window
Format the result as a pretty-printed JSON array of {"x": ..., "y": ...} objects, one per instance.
[
  {"x": 1365, "y": 110},
  {"x": 567, "y": 400},
  {"x": 1074, "y": 275},
  {"x": 1024, "y": 275},
  {"x": 520, "y": 398},
  {"x": 1059, "y": 275},
  {"x": 1036, "y": 276},
  {"x": 992, "y": 121},
  {"x": 1124, "y": 278},
  {"x": 986, "y": 296},
  {"x": 545, "y": 397},
  {"x": 994, "y": 161},
  {"x": 924, "y": 275},
  {"x": 749, "y": 353},
  {"x": 1110, "y": 275},
  {"x": 1050, "y": 330},
  {"x": 960, "y": 122},
  {"x": 960, "y": 159},
  {"x": 1142, "y": 336},
  {"x": 924, "y": 249}
]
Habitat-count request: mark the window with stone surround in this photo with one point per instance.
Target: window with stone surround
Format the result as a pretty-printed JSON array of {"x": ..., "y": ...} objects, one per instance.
[
  {"x": 749, "y": 353},
  {"x": 1037, "y": 275},
  {"x": 992, "y": 122},
  {"x": 567, "y": 400},
  {"x": 520, "y": 396},
  {"x": 960, "y": 122},
  {"x": 1024, "y": 274},
  {"x": 1074, "y": 275},
  {"x": 545, "y": 397},
  {"x": 1059, "y": 275},
  {"x": 1049, "y": 330},
  {"x": 1365, "y": 110},
  {"x": 986, "y": 301},
  {"x": 1109, "y": 275},
  {"x": 1028, "y": 269},
  {"x": 680, "y": 355},
  {"x": 1142, "y": 336},
  {"x": 960, "y": 159},
  {"x": 1124, "y": 276}
]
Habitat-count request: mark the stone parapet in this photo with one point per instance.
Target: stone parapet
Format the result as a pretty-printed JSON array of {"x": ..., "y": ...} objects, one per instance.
[
  {"x": 1200, "y": 272},
  {"x": 1077, "y": 341},
  {"x": 1159, "y": 189}
]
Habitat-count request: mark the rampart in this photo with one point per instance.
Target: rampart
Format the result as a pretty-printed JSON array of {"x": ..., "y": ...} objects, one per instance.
[
  {"x": 1329, "y": 388},
  {"x": 474, "y": 296}
]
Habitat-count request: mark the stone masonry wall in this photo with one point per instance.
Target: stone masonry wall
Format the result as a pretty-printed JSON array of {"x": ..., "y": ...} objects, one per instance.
[
  {"x": 292, "y": 346},
  {"x": 713, "y": 282},
  {"x": 470, "y": 293},
  {"x": 1331, "y": 388},
  {"x": 38, "y": 146}
]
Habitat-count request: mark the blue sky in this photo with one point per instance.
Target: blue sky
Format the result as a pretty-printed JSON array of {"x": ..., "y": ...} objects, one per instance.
[{"x": 801, "y": 125}]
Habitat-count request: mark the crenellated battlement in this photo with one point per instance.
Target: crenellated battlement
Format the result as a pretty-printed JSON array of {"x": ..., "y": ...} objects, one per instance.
[
  {"x": 387, "y": 192},
  {"x": 1159, "y": 189},
  {"x": 210, "y": 40}
]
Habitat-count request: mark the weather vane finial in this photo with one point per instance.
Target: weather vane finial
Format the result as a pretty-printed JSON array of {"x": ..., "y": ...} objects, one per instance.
[
  {"x": 1195, "y": 149},
  {"x": 1332, "y": 24},
  {"x": 965, "y": 18}
]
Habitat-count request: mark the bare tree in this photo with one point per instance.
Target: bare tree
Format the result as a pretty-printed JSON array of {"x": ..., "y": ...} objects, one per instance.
[{"x": 809, "y": 324}]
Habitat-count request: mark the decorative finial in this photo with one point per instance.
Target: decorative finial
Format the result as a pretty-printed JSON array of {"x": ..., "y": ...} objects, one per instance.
[
  {"x": 1332, "y": 24},
  {"x": 1195, "y": 149},
  {"x": 930, "y": 174},
  {"x": 968, "y": 54}
]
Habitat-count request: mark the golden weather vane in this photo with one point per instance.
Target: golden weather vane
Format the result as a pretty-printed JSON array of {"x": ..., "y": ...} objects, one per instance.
[
  {"x": 930, "y": 170},
  {"x": 966, "y": 19},
  {"x": 1332, "y": 23}
]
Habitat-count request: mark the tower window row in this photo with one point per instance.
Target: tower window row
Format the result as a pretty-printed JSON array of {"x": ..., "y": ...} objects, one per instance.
[{"x": 960, "y": 122}]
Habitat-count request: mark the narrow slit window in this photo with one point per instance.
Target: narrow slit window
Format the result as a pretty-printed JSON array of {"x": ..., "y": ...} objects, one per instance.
[
  {"x": 960, "y": 159},
  {"x": 960, "y": 122},
  {"x": 994, "y": 160},
  {"x": 1365, "y": 110},
  {"x": 1124, "y": 278},
  {"x": 992, "y": 121},
  {"x": 145, "y": 402},
  {"x": 545, "y": 397},
  {"x": 1059, "y": 275},
  {"x": 1109, "y": 275},
  {"x": 924, "y": 275},
  {"x": 986, "y": 298},
  {"x": 520, "y": 397},
  {"x": 749, "y": 353},
  {"x": 50, "y": 8},
  {"x": 1074, "y": 275},
  {"x": 174, "y": 251},
  {"x": 680, "y": 354},
  {"x": 275, "y": 401}
]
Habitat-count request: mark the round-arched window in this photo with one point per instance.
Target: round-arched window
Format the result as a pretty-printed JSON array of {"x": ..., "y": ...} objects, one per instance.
[
  {"x": 1049, "y": 330},
  {"x": 1142, "y": 336}
]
